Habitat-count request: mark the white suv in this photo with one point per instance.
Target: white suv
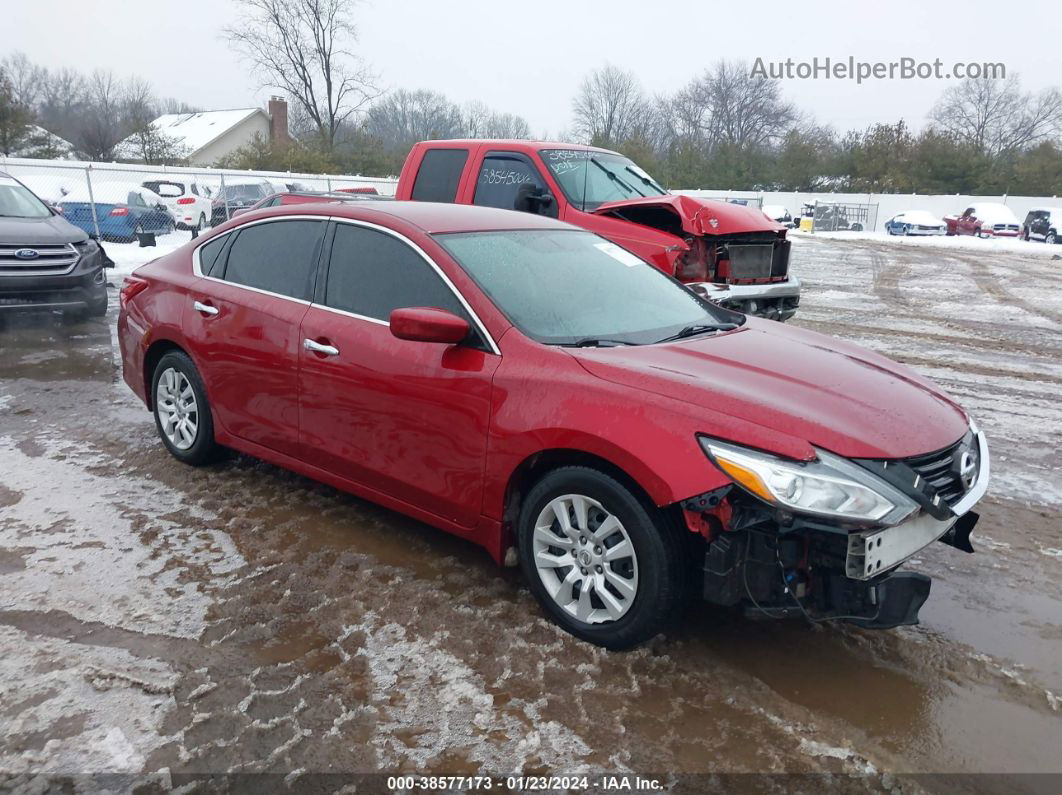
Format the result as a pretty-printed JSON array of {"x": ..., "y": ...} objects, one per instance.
[{"x": 186, "y": 199}]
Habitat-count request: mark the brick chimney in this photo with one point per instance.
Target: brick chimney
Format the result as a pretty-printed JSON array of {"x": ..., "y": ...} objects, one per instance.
[{"x": 278, "y": 120}]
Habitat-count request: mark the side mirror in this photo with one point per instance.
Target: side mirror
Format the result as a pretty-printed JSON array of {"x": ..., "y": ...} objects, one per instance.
[
  {"x": 424, "y": 324},
  {"x": 531, "y": 199}
]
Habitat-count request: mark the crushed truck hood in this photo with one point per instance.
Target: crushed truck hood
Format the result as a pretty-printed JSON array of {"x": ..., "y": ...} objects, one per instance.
[
  {"x": 701, "y": 216},
  {"x": 832, "y": 394}
]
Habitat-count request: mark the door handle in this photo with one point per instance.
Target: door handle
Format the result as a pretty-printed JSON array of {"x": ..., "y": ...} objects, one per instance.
[
  {"x": 206, "y": 309},
  {"x": 317, "y": 347}
]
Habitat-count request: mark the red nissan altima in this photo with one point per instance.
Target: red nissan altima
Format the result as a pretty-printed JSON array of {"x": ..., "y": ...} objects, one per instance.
[{"x": 543, "y": 392}]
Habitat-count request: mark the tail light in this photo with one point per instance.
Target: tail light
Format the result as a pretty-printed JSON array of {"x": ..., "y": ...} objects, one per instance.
[
  {"x": 186, "y": 200},
  {"x": 133, "y": 287},
  {"x": 120, "y": 211}
]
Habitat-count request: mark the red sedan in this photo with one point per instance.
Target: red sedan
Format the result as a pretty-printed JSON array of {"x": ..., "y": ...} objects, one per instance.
[{"x": 537, "y": 389}]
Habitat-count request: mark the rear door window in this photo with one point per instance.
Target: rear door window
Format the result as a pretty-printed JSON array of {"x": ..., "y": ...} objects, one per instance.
[
  {"x": 279, "y": 257},
  {"x": 439, "y": 174},
  {"x": 208, "y": 254}
]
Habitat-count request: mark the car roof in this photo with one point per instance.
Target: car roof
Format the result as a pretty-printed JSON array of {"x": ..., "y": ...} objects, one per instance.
[
  {"x": 430, "y": 217},
  {"x": 512, "y": 143},
  {"x": 1051, "y": 210}
]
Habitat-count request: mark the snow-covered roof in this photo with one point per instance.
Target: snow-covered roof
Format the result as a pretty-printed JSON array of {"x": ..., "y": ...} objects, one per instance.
[
  {"x": 919, "y": 217},
  {"x": 111, "y": 193},
  {"x": 994, "y": 213},
  {"x": 39, "y": 142},
  {"x": 193, "y": 131}
]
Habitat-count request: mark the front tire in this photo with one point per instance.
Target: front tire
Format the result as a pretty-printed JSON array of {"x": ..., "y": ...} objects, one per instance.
[
  {"x": 182, "y": 414},
  {"x": 605, "y": 564},
  {"x": 1051, "y": 238}
]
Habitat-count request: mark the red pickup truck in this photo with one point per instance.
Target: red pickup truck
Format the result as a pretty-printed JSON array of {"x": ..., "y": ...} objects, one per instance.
[{"x": 731, "y": 254}]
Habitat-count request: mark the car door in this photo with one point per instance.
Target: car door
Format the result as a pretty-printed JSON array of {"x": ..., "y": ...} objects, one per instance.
[
  {"x": 407, "y": 419},
  {"x": 968, "y": 222},
  {"x": 510, "y": 181},
  {"x": 243, "y": 325}
]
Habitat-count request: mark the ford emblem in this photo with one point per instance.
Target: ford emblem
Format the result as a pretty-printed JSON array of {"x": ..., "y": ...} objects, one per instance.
[{"x": 27, "y": 253}]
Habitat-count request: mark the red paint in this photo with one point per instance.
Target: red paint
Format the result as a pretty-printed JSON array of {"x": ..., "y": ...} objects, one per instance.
[
  {"x": 437, "y": 430},
  {"x": 695, "y": 217},
  {"x": 423, "y": 324}
]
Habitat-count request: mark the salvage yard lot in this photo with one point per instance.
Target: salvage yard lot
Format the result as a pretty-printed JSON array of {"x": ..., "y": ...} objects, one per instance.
[{"x": 160, "y": 620}]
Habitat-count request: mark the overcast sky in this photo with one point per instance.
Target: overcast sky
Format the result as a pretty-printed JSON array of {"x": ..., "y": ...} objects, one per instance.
[{"x": 529, "y": 60}]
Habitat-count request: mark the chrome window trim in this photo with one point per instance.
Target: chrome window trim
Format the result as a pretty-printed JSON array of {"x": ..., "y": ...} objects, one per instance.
[
  {"x": 197, "y": 270},
  {"x": 433, "y": 265}
]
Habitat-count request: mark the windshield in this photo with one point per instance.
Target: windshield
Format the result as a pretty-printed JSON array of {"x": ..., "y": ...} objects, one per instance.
[
  {"x": 243, "y": 192},
  {"x": 568, "y": 287},
  {"x": 16, "y": 201},
  {"x": 589, "y": 179}
]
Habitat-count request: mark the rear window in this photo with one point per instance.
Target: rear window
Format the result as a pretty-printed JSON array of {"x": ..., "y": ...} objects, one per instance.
[
  {"x": 439, "y": 173},
  {"x": 170, "y": 189},
  {"x": 278, "y": 257}
]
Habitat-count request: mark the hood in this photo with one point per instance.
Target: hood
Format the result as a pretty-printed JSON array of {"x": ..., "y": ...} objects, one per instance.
[
  {"x": 696, "y": 216},
  {"x": 31, "y": 231},
  {"x": 833, "y": 394}
]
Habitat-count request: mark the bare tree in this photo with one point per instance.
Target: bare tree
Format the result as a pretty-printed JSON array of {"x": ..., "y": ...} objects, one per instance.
[
  {"x": 727, "y": 105},
  {"x": 62, "y": 102},
  {"x": 302, "y": 48},
  {"x": 608, "y": 105},
  {"x": 101, "y": 127},
  {"x": 27, "y": 79},
  {"x": 480, "y": 121},
  {"x": 404, "y": 117},
  {"x": 996, "y": 116},
  {"x": 145, "y": 141},
  {"x": 15, "y": 117}
]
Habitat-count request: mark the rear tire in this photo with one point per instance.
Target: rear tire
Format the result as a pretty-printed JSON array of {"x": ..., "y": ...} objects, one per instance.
[
  {"x": 612, "y": 573},
  {"x": 182, "y": 414}
]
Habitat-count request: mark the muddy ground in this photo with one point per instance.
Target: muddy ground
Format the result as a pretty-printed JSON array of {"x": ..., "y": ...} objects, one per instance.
[{"x": 170, "y": 624}]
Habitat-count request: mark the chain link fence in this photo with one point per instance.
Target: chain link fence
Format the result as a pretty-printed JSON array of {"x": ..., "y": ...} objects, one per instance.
[{"x": 123, "y": 203}]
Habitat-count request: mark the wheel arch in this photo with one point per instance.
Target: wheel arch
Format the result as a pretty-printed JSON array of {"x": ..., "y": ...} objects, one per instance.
[
  {"x": 535, "y": 466},
  {"x": 154, "y": 353}
]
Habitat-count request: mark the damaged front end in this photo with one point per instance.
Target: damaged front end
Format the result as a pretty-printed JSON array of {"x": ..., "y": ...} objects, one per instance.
[
  {"x": 731, "y": 254},
  {"x": 780, "y": 544}
]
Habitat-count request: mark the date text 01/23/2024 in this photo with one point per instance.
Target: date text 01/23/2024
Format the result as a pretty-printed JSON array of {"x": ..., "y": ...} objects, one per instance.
[{"x": 616, "y": 783}]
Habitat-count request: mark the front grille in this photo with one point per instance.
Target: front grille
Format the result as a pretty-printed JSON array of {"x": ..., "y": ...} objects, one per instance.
[
  {"x": 752, "y": 256},
  {"x": 1005, "y": 227},
  {"x": 939, "y": 471},
  {"x": 50, "y": 259},
  {"x": 751, "y": 261}
]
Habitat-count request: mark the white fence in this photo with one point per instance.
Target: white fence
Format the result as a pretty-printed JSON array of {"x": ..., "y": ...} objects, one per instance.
[
  {"x": 52, "y": 179},
  {"x": 102, "y": 198},
  {"x": 889, "y": 204}
]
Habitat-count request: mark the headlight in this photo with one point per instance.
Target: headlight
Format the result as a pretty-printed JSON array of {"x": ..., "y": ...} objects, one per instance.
[{"x": 829, "y": 486}]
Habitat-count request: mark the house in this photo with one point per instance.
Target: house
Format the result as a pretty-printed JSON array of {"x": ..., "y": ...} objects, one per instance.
[{"x": 205, "y": 137}]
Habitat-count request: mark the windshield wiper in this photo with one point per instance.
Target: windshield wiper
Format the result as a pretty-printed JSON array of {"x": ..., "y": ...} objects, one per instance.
[
  {"x": 612, "y": 175},
  {"x": 699, "y": 328},
  {"x": 646, "y": 181},
  {"x": 595, "y": 342}
]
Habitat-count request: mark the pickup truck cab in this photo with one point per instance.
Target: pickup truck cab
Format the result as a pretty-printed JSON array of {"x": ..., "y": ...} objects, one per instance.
[{"x": 733, "y": 255}]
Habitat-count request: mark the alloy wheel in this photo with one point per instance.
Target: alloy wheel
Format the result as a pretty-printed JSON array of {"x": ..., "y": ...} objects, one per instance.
[
  {"x": 177, "y": 408},
  {"x": 585, "y": 559}
]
